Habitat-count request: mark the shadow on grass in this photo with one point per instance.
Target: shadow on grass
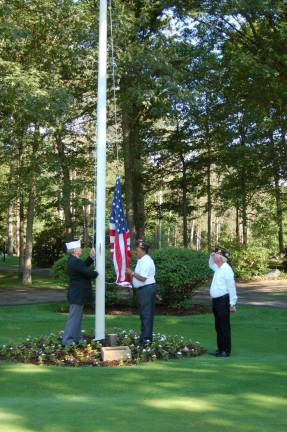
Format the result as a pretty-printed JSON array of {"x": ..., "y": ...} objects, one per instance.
[
  {"x": 245, "y": 392},
  {"x": 180, "y": 395}
]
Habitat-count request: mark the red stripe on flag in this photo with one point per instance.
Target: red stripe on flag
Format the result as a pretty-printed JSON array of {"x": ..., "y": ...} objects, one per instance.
[{"x": 118, "y": 257}]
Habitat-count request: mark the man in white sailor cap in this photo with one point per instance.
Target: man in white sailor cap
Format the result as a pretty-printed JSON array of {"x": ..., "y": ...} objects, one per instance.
[
  {"x": 223, "y": 294},
  {"x": 79, "y": 291}
]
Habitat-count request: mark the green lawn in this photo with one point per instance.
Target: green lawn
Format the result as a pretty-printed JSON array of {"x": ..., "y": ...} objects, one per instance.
[
  {"x": 9, "y": 260},
  {"x": 246, "y": 392},
  {"x": 10, "y": 280}
]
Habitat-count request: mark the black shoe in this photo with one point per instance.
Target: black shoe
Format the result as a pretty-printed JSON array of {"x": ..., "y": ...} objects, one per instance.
[
  {"x": 222, "y": 354},
  {"x": 215, "y": 354}
]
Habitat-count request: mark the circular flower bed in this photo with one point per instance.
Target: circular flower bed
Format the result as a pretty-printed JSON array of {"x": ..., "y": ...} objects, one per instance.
[{"x": 48, "y": 350}]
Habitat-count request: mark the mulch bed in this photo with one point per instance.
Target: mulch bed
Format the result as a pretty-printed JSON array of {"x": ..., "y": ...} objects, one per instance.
[
  {"x": 121, "y": 310},
  {"x": 196, "y": 309}
]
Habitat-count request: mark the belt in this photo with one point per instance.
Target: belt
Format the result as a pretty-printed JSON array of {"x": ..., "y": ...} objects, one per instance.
[
  {"x": 221, "y": 297},
  {"x": 144, "y": 286}
]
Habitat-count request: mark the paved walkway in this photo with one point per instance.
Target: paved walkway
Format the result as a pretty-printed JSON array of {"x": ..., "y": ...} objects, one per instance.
[
  {"x": 257, "y": 293},
  {"x": 260, "y": 293},
  {"x": 20, "y": 296}
]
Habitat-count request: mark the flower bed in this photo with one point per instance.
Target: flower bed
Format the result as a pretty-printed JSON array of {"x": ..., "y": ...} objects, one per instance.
[{"x": 48, "y": 350}]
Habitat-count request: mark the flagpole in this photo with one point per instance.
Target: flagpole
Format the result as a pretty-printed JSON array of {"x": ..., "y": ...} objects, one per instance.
[{"x": 101, "y": 173}]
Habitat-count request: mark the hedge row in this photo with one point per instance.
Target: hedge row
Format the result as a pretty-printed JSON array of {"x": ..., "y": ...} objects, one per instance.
[{"x": 179, "y": 272}]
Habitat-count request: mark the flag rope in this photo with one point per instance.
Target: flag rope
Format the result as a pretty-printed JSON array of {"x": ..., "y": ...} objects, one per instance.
[
  {"x": 113, "y": 65},
  {"x": 113, "y": 68}
]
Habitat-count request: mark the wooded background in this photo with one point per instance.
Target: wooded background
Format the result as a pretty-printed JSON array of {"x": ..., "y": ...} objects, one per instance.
[{"x": 201, "y": 90}]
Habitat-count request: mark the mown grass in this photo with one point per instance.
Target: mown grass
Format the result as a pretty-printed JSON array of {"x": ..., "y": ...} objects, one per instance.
[
  {"x": 246, "y": 392},
  {"x": 9, "y": 260},
  {"x": 10, "y": 280}
]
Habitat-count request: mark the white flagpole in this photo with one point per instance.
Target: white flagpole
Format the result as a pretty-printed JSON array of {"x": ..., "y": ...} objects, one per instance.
[{"x": 101, "y": 173}]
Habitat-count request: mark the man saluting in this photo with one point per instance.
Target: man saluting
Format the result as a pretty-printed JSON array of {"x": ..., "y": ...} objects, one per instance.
[
  {"x": 79, "y": 291},
  {"x": 223, "y": 294}
]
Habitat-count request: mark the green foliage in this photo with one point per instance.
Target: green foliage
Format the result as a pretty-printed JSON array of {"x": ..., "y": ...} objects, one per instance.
[
  {"x": 178, "y": 274},
  {"x": 248, "y": 261},
  {"x": 48, "y": 246}
]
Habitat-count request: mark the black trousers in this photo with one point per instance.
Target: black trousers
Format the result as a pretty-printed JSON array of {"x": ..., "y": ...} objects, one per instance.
[
  {"x": 221, "y": 311},
  {"x": 146, "y": 307}
]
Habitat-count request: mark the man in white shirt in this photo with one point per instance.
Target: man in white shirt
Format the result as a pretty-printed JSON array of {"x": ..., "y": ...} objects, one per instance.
[
  {"x": 143, "y": 279},
  {"x": 223, "y": 294}
]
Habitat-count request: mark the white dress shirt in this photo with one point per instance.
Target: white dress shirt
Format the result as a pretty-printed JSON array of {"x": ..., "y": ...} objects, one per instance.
[
  {"x": 223, "y": 281},
  {"x": 145, "y": 267}
]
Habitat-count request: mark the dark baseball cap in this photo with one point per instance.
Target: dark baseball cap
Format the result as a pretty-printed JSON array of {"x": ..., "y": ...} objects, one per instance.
[{"x": 223, "y": 252}]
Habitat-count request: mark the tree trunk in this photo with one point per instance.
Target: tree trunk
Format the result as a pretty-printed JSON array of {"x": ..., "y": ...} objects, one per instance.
[
  {"x": 10, "y": 229},
  {"x": 192, "y": 229},
  {"x": 244, "y": 217},
  {"x": 86, "y": 222},
  {"x": 284, "y": 145},
  {"x": 134, "y": 192},
  {"x": 209, "y": 208},
  {"x": 244, "y": 223},
  {"x": 128, "y": 169},
  {"x": 27, "y": 270},
  {"x": 158, "y": 197},
  {"x": 133, "y": 166},
  {"x": 10, "y": 212},
  {"x": 217, "y": 230},
  {"x": 237, "y": 230},
  {"x": 209, "y": 162},
  {"x": 198, "y": 238},
  {"x": 17, "y": 236},
  {"x": 66, "y": 188},
  {"x": 277, "y": 193},
  {"x": 21, "y": 237},
  {"x": 184, "y": 204},
  {"x": 279, "y": 217}
]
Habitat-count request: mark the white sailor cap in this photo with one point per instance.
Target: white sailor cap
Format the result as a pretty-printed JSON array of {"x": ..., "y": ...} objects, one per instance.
[{"x": 73, "y": 245}]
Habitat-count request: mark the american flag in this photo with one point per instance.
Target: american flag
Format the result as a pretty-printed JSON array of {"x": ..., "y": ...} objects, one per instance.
[{"x": 120, "y": 238}]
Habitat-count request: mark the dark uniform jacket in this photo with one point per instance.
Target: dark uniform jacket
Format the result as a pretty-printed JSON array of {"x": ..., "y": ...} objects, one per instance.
[{"x": 80, "y": 276}]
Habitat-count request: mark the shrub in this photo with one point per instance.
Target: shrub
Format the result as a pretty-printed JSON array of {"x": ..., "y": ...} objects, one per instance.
[
  {"x": 248, "y": 261},
  {"x": 48, "y": 246},
  {"x": 179, "y": 272}
]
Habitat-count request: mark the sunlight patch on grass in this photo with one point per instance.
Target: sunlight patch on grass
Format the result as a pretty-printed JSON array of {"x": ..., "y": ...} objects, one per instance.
[
  {"x": 25, "y": 369},
  {"x": 75, "y": 398},
  {"x": 7, "y": 421},
  {"x": 266, "y": 401},
  {"x": 185, "y": 404}
]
